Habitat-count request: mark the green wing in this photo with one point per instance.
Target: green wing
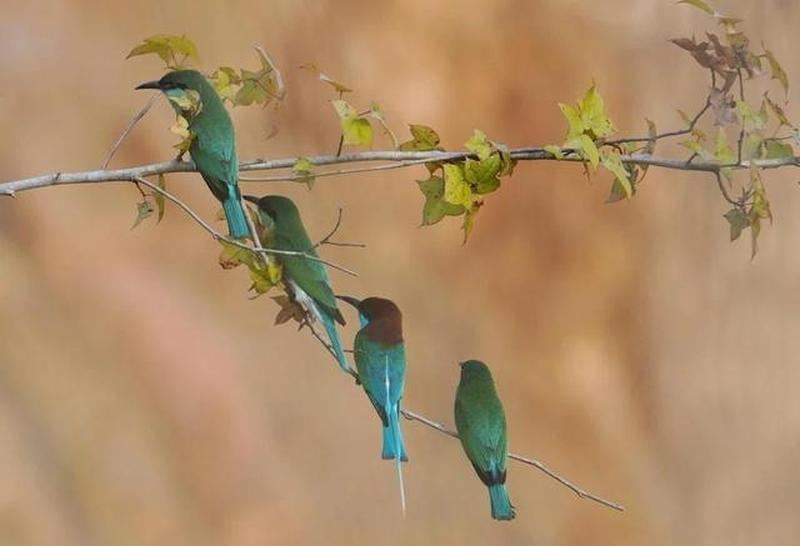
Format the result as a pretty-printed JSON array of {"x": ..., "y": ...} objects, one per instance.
[
  {"x": 481, "y": 426},
  {"x": 213, "y": 151},
  {"x": 310, "y": 275}
]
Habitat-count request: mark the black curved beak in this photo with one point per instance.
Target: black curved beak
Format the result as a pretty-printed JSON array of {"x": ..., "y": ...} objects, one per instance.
[
  {"x": 149, "y": 85},
  {"x": 355, "y": 302},
  {"x": 251, "y": 198}
]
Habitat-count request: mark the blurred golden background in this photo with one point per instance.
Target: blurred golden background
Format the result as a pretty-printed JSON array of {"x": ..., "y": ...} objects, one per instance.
[{"x": 145, "y": 400}]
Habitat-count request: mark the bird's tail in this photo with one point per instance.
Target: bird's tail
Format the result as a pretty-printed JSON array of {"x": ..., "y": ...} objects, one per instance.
[
  {"x": 501, "y": 503},
  {"x": 393, "y": 437},
  {"x": 336, "y": 343},
  {"x": 235, "y": 215},
  {"x": 395, "y": 441}
]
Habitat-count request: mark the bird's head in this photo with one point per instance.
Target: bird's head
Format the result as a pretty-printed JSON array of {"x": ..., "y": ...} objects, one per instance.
[
  {"x": 274, "y": 209},
  {"x": 374, "y": 308},
  {"x": 474, "y": 369},
  {"x": 184, "y": 88}
]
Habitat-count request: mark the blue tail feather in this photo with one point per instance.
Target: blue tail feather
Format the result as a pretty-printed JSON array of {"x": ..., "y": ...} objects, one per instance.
[
  {"x": 235, "y": 215},
  {"x": 336, "y": 343},
  {"x": 501, "y": 503},
  {"x": 393, "y": 438}
]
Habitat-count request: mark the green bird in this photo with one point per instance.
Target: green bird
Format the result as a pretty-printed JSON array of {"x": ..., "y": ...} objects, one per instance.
[
  {"x": 481, "y": 426},
  {"x": 306, "y": 279},
  {"x": 380, "y": 357},
  {"x": 213, "y": 146}
]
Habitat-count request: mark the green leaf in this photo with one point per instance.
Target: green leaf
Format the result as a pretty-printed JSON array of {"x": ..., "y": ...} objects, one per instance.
[
  {"x": 355, "y": 130},
  {"x": 479, "y": 144},
  {"x": 456, "y": 189},
  {"x": 573, "y": 120},
  {"x": 774, "y": 149},
  {"x": 251, "y": 91},
  {"x": 469, "y": 220},
  {"x": 183, "y": 45},
  {"x": 586, "y": 147},
  {"x": 143, "y": 210},
  {"x": 777, "y": 70},
  {"x": 723, "y": 153},
  {"x": 783, "y": 119},
  {"x": 699, "y": 4},
  {"x": 613, "y": 163},
  {"x": 225, "y": 81},
  {"x": 264, "y": 276},
  {"x": 554, "y": 150},
  {"x": 436, "y": 207},
  {"x": 738, "y": 221},
  {"x": 754, "y": 120},
  {"x": 424, "y": 139},
  {"x": 168, "y": 47},
  {"x": 507, "y": 163},
  {"x": 233, "y": 256},
  {"x": 593, "y": 115},
  {"x": 152, "y": 45},
  {"x": 159, "y": 198},
  {"x": 304, "y": 170},
  {"x": 482, "y": 175}
]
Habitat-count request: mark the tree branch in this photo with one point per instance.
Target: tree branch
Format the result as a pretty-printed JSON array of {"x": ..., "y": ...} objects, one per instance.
[{"x": 11, "y": 188}]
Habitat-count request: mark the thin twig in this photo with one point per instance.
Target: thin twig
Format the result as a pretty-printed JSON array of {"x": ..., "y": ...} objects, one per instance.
[
  {"x": 680, "y": 132},
  {"x": 582, "y": 493},
  {"x": 724, "y": 191},
  {"x": 307, "y": 324},
  {"x": 220, "y": 237},
  {"x": 327, "y": 239},
  {"x": 131, "y": 124}
]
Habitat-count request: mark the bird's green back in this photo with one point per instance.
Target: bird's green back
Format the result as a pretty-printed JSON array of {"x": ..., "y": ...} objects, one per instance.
[
  {"x": 480, "y": 419},
  {"x": 289, "y": 233}
]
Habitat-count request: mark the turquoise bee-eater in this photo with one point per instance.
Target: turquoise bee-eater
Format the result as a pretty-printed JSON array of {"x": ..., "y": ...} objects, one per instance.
[
  {"x": 481, "y": 426},
  {"x": 213, "y": 146},
  {"x": 306, "y": 279},
  {"x": 380, "y": 357}
]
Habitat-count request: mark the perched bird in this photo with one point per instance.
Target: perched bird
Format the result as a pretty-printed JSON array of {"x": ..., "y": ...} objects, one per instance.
[
  {"x": 381, "y": 363},
  {"x": 481, "y": 425},
  {"x": 213, "y": 146},
  {"x": 305, "y": 279}
]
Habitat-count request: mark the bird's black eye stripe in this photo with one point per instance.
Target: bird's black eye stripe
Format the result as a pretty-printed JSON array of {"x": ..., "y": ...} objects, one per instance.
[{"x": 172, "y": 85}]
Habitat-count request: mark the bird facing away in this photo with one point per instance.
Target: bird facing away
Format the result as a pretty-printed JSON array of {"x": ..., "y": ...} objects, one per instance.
[
  {"x": 213, "y": 146},
  {"x": 481, "y": 426},
  {"x": 380, "y": 357},
  {"x": 305, "y": 279}
]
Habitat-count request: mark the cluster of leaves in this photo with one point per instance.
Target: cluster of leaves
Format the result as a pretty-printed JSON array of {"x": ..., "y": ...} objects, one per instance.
[
  {"x": 588, "y": 127},
  {"x": 264, "y": 273},
  {"x": 731, "y": 61},
  {"x": 457, "y": 188}
]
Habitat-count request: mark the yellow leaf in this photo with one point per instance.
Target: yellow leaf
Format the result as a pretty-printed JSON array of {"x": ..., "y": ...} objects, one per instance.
[{"x": 456, "y": 189}]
